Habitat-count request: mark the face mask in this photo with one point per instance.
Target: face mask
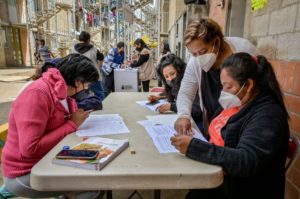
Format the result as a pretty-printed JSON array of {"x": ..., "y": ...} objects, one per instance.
[
  {"x": 81, "y": 95},
  {"x": 207, "y": 60},
  {"x": 138, "y": 49},
  {"x": 228, "y": 100}
]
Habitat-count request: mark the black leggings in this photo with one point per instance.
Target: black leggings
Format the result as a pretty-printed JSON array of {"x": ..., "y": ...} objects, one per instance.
[{"x": 146, "y": 85}]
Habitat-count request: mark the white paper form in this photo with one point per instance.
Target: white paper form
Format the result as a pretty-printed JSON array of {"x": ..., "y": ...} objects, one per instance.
[
  {"x": 150, "y": 106},
  {"x": 161, "y": 135},
  {"x": 106, "y": 124},
  {"x": 162, "y": 119}
]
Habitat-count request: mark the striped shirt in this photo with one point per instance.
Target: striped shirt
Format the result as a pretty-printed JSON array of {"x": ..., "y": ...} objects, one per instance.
[
  {"x": 44, "y": 53},
  {"x": 109, "y": 63}
]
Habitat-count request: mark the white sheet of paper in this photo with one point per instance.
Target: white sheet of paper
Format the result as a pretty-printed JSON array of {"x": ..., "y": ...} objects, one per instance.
[
  {"x": 161, "y": 135},
  {"x": 107, "y": 124},
  {"x": 162, "y": 119},
  {"x": 153, "y": 107}
]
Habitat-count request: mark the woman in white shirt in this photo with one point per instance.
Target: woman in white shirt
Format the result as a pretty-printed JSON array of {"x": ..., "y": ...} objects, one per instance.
[{"x": 209, "y": 48}]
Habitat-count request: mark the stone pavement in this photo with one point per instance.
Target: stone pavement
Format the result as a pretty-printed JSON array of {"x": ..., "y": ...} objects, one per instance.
[{"x": 11, "y": 81}]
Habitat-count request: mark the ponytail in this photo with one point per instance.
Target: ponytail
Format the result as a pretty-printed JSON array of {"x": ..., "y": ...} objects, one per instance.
[
  {"x": 242, "y": 66},
  {"x": 268, "y": 81}
]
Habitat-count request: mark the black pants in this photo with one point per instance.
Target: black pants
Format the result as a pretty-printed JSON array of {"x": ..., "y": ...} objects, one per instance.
[
  {"x": 215, "y": 193},
  {"x": 146, "y": 85},
  {"x": 109, "y": 83}
]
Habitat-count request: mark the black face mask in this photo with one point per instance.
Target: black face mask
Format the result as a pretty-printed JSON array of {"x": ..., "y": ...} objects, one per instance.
[
  {"x": 138, "y": 49},
  {"x": 172, "y": 83},
  {"x": 81, "y": 95}
]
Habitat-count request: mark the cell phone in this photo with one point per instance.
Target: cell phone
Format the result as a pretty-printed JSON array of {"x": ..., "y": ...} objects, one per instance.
[{"x": 77, "y": 154}]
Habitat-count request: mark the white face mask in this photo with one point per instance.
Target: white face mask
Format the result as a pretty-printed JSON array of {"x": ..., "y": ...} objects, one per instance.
[
  {"x": 206, "y": 61},
  {"x": 228, "y": 100}
]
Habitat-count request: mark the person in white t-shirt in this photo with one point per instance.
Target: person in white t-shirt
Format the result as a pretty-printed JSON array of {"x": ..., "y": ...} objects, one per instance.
[{"x": 209, "y": 48}]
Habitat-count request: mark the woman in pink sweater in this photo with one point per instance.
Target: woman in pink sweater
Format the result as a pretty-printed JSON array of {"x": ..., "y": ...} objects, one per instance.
[{"x": 41, "y": 116}]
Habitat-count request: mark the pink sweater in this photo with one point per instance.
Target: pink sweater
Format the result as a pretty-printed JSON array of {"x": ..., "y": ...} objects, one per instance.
[{"x": 37, "y": 123}]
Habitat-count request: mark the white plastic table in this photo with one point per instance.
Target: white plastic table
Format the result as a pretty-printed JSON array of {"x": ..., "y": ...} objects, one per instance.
[{"x": 147, "y": 169}]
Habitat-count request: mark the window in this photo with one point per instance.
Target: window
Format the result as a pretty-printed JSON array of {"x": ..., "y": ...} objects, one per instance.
[{"x": 3, "y": 42}]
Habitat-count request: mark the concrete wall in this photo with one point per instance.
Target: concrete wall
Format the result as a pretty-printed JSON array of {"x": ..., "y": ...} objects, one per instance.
[
  {"x": 218, "y": 12},
  {"x": 175, "y": 11}
]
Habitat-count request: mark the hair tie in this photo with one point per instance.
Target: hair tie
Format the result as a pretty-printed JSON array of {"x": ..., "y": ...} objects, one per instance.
[{"x": 255, "y": 59}]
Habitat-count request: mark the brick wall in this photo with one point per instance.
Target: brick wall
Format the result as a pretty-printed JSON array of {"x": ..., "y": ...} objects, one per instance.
[{"x": 275, "y": 30}]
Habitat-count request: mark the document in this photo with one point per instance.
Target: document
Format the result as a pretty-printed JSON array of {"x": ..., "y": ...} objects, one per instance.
[
  {"x": 106, "y": 124},
  {"x": 161, "y": 135},
  {"x": 151, "y": 106},
  {"x": 162, "y": 119}
]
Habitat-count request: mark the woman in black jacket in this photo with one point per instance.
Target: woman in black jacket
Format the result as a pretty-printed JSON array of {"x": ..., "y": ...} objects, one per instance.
[
  {"x": 171, "y": 70},
  {"x": 249, "y": 138}
]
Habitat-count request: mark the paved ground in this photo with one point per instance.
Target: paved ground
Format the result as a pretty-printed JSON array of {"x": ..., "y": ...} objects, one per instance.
[{"x": 11, "y": 81}]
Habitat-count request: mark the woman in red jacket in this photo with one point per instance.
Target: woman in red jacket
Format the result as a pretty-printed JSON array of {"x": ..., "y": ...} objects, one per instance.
[{"x": 41, "y": 116}]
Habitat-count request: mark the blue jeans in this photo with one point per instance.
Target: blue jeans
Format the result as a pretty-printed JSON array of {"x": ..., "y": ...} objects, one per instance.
[{"x": 98, "y": 90}]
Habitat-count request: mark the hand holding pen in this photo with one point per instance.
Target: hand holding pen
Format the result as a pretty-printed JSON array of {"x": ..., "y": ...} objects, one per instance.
[{"x": 79, "y": 116}]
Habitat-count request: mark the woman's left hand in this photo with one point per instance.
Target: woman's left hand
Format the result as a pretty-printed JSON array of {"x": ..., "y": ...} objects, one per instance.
[
  {"x": 181, "y": 142},
  {"x": 164, "y": 108}
]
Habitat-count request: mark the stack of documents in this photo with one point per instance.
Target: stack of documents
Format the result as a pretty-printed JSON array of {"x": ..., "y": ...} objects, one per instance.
[
  {"x": 151, "y": 106},
  {"x": 161, "y": 128},
  {"x": 106, "y": 124}
]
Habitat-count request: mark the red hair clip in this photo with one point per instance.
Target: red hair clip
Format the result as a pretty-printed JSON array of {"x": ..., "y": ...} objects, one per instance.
[{"x": 255, "y": 59}]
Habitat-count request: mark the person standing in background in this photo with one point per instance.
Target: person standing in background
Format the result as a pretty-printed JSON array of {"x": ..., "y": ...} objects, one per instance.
[
  {"x": 92, "y": 52},
  {"x": 145, "y": 64},
  {"x": 113, "y": 60},
  {"x": 165, "y": 50},
  {"x": 44, "y": 52}
]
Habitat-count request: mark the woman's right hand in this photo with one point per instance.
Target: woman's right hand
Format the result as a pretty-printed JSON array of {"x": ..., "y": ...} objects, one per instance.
[
  {"x": 153, "y": 98},
  {"x": 79, "y": 116},
  {"x": 183, "y": 126}
]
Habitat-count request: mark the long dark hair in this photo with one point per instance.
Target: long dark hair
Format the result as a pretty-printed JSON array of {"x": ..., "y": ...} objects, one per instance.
[
  {"x": 242, "y": 66},
  {"x": 179, "y": 65},
  {"x": 141, "y": 41},
  {"x": 77, "y": 67},
  {"x": 166, "y": 48}
]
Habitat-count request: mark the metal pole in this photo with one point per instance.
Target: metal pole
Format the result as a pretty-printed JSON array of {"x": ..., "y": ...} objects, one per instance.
[
  {"x": 118, "y": 30},
  {"x": 28, "y": 32},
  {"x": 158, "y": 28},
  {"x": 74, "y": 18},
  {"x": 56, "y": 28}
]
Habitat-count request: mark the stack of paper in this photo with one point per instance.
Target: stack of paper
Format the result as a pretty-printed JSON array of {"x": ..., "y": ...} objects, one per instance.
[
  {"x": 107, "y": 124},
  {"x": 161, "y": 130},
  {"x": 151, "y": 106}
]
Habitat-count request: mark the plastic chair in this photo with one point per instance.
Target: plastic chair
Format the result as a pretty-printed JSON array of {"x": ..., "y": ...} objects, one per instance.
[
  {"x": 293, "y": 151},
  {"x": 157, "y": 89}
]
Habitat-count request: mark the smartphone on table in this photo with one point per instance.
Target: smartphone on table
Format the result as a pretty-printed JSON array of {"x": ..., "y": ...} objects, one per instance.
[{"x": 78, "y": 154}]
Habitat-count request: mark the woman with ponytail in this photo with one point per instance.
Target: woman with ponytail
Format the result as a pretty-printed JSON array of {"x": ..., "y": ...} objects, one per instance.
[{"x": 249, "y": 137}]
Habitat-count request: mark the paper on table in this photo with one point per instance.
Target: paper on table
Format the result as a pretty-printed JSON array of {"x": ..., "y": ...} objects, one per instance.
[
  {"x": 161, "y": 135},
  {"x": 152, "y": 107},
  {"x": 162, "y": 119},
  {"x": 102, "y": 125}
]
